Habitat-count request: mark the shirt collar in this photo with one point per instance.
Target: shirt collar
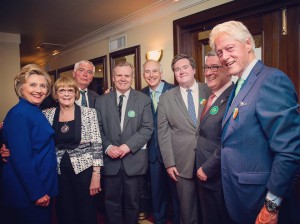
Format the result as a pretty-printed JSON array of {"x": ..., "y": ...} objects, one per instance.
[
  {"x": 194, "y": 87},
  {"x": 159, "y": 88},
  {"x": 249, "y": 68},
  {"x": 126, "y": 94},
  {"x": 220, "y": 91}
]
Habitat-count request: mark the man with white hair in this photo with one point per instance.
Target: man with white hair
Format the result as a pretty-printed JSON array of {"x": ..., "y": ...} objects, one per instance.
[{"x": 260, "y": 139}]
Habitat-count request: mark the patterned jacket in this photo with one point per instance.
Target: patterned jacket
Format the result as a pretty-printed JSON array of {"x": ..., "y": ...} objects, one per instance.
[{"x": 89, "y": 151}]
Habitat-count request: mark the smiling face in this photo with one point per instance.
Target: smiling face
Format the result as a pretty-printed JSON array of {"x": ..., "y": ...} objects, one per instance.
[
  {"x": 35, "y": 90},
  {"x": 123, "y": 77},
  {"x": 184, "y": 73},
  {"x": 152, "y": 74},
  {"x": 84, "y": 75},
  {"x": 66, "y": 96},
  {"x": 217, "y": 79},
  {"x": 234, "y": 55}
]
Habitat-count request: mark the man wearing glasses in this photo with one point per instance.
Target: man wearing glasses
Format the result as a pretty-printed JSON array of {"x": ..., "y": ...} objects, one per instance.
[{"x": 208, "y": 164}]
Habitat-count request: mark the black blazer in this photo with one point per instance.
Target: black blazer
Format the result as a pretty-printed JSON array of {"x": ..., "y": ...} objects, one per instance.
[{"x": 208, "y": 152}]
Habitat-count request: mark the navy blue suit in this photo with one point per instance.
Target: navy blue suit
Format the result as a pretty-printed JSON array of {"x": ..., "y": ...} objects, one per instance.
[
  {"x": 161, "y": 184},
  {"x": 260, "y": 142}
]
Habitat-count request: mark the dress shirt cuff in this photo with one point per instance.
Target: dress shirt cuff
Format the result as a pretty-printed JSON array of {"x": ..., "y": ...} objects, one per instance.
[
  {"x": 274, "y": 198},
  {"x": 107, "y": 149}
]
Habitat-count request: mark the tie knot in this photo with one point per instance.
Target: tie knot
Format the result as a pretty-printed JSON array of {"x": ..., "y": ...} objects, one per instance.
[
  {"x": 240, "y": 81},
  {"x": 189, "y": 90},
  {"x": 153, "y": 93},
  {"x": 121, "y": 97},
  {"x": 212, "y": 96},
  {"x": 83, "y": 91}
]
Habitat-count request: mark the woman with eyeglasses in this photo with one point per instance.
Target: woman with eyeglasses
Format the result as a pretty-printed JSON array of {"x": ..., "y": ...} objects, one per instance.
[
  {"x": 29, "y": 177},
  {"x": 79, "y": 154}
]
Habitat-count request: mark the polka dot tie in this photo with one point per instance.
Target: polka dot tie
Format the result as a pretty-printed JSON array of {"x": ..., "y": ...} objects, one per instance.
[
  {"x": 83, "y": 98},
  {"x": 191, "y": 107}
]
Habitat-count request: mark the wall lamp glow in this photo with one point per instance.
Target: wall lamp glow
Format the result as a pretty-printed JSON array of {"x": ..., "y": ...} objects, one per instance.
[{"x": 154, "y": 55}]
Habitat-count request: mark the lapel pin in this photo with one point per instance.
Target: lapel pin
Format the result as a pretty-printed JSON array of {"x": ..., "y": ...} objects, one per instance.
[
  {"x": 235, "y": 113},
  {"x": 202, "y": 101},
  {"x": 131, "y": 113}
]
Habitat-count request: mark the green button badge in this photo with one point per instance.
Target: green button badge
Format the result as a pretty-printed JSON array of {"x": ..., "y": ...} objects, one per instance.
[
  {"x": 214, "y": 110},
  {"x": 131, "y": 113}
]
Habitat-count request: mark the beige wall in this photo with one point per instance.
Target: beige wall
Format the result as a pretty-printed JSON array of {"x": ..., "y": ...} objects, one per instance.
[
  {"x": 150, "y": 34},
  {"x": 9, "y": 66},
  {"x": 156, "y": 34}
]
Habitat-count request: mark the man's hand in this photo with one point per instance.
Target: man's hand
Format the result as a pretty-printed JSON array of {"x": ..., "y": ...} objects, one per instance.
[
  {"x": 43, "y": 201},
  {"x": 4, "y": 153},
  {"x": 172, "y": 171},
  {"x": 201, "y": 175},
  {"x": 124, "y": 150},
  {"x": 113, "y": 152},
  {"x": 266, "y": 217}
]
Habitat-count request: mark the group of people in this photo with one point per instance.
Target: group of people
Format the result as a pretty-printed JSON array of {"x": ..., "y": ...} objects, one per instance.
[{"x": 219, "y": 152}]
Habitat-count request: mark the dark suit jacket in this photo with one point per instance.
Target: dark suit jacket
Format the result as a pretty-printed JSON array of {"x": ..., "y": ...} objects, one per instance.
[
  {"x": 92, "y": 96},
  {"x": 137, "y": 130},
  {"x": 153, "y": 147},
  {"x": 209, "y": 142},
  {"x": 261, "y": 145}
]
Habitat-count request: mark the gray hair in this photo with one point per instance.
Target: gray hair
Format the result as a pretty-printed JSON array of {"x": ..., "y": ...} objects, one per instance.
[
  {"x": 84, "y": 62},
  {"x": 159, "y": 65},
  {"x": 234, "y": 29}
]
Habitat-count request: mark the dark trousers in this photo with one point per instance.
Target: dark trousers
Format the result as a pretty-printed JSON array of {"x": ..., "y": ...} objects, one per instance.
[
  {"x": 163, "y": 190},
  {"x": 75, "y": 205},
  {"x": 121, "y": 198},
  {"x": 213, "y": 208},
  {"x": 29, "y": 215}
]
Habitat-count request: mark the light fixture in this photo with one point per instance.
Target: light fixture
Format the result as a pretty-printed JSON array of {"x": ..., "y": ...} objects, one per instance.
[
  {"x": 154, "y": 55},
  {"x": 55, "y": 52}
]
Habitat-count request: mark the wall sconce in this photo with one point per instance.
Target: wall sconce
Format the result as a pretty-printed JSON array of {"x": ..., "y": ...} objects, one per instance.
[{"x": 154, "y": 55}]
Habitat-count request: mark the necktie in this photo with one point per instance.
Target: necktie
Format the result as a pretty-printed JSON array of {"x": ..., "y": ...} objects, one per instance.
[
  {"x": 191, "y": 107},
  {"x": 154, "y": 100},
  {"x": 239, "y": 86},
  {"x": 120, "y": 105},
  {"x": 208, "y": 104},
  {"x": 83, "y": 98}
]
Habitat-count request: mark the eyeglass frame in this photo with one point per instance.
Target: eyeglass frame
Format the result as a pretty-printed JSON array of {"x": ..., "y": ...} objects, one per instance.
[
  {"x": 213, "y": 68},
  {"x": 64, "y": 91}
]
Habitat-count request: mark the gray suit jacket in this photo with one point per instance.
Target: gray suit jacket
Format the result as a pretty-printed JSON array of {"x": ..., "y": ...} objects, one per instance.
[
  {"x": 177, "y": 136},
  {"x": 137, "y": 130}
]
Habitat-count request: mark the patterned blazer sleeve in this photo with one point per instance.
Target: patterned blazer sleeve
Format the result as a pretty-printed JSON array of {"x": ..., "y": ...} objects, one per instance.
[{"x": 91, "y": 132}]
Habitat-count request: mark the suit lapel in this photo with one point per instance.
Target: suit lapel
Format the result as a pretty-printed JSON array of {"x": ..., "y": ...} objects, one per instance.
[
  {"x": 181, "y": 105},
  {"x": 202, "y": 95},
  {"x": 130, "y": 106},
  {"x": 247, "y": 86},
  {"x": 222, "y": 99},
  {"x": 91, "y": 98},
  {"x": 112, "y": 103}
]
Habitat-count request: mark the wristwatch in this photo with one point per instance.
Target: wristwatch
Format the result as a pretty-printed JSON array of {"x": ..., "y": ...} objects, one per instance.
[{"x": 271, "y": 206}]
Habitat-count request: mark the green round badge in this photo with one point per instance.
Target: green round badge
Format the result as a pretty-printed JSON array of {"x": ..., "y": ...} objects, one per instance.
[
  {"x": 131, "y": 113},
  {"x": 214, "y": 110}
]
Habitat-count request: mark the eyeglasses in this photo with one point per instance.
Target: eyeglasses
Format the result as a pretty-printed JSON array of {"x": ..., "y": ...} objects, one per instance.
[
  {"x": 63, "y": 91},
  {"x": 213, "y": 68}
]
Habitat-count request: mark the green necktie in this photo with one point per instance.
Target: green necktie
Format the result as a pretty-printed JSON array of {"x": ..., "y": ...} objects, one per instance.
[
  {"x": 239, "y": 86},
  {"x": 154, "y": 100}
]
